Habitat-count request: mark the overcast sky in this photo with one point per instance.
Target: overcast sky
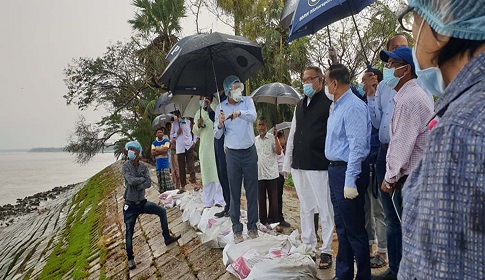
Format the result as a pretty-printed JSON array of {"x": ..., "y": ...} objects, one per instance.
[{"x": 37, "y": 41}]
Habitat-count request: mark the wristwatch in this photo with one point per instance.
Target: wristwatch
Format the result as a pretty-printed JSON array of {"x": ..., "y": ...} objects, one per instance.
[{"x": 388, "y": 185}]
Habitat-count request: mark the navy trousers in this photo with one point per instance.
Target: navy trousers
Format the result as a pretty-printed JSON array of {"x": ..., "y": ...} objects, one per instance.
[
  {"x": 222, "y": 170},
  {"x": 349, "y": 219},
  {"x": 393, "y": 232},
  {"x": 243, "y": 163},
  {"x": 131, "y": 212}
]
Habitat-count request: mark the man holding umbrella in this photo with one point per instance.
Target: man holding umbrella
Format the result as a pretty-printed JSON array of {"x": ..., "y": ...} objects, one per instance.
[
  {"x": 305, "y": 158},
  {"x": 241, "y": 156}
]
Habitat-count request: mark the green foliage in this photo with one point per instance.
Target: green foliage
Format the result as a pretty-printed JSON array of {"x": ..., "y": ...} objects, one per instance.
[{"x": 83, "y": 228}]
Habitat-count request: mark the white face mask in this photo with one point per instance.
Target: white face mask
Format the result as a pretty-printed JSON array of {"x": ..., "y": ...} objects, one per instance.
[
  {"x": 236, "y": 91},
  {"x": 431, "y": 78},
  {"x": 329, "y": 95}
]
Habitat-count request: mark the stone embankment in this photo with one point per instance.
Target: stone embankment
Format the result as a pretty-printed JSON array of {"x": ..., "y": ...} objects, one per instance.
[{"x": 80, "y": 235}]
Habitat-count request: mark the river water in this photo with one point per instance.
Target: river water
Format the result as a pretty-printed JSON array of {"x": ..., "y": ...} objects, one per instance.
[{"x": 24, "y": 173}]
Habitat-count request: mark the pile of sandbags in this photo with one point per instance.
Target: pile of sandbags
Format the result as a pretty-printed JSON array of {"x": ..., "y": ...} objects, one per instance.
[{"x": 270, "y": 256}]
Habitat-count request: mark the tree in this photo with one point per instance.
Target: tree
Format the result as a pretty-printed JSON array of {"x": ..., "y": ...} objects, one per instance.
[
  {"x": 117, "y": 82},
  {"x": 160, "y": 18},
  {"x": 377, "y": 24}
]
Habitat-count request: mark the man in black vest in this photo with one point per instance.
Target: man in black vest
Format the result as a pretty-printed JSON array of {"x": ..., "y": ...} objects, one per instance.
[{"x": 305, "y": 159}]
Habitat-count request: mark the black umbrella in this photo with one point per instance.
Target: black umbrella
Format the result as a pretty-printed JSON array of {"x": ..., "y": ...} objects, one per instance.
[
  {"x": 276, "y": 93},
  {"x": 162, "y": 120},
  {"x": 164, "y": 104},
  {"x": 200, "y": 64},
  {"x": 287, "y": 13}
]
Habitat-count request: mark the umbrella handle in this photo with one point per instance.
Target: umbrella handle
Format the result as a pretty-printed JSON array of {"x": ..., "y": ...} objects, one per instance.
[{"x": 369, "y": 67}]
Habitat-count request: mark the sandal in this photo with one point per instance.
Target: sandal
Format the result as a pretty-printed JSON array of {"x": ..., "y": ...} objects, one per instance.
[
  {"x": 377, "y": 261},
  {"x": 325, "y": 261},
  {"x": 196, "y": 189},
  {"x": 181, "y": 191}
]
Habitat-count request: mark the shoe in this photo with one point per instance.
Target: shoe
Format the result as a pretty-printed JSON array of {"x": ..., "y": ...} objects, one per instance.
[
  {"x": 131, "y": 264},
  {"x": 377, "y": 261},
  {"x": 285, "y": 224},
  {"x": 325, "y": 261},
  {"x": 238, "y": 237},
  {"x": 253, "y": 233},
  {"x": 217, "y": 205},
  {"x": 172, "y": 239},
  {"x": 221, "y": 214},
  {"x": 386, "y": 275}
]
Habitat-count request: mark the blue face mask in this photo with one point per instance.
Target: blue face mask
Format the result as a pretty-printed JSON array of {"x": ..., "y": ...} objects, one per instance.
[
  {"x": 131, "y": 155},
  {"x": 431, "y": 78},
  {"x": 201, "y": 103},
  {"x": 308, "y": 90},
  {"x": 389, "y": 79},
  {"x": 360, "y": 89}
]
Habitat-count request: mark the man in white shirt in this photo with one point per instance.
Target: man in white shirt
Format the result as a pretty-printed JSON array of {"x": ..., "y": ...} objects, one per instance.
[
  {"x": 268, "y": 148},
  {"x": 181, "y": 133}
]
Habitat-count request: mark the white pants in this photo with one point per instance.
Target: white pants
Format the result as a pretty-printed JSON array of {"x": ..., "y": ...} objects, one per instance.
[
  {"x": 212, "y": 194},
  {"x": 314, "y": 195}
]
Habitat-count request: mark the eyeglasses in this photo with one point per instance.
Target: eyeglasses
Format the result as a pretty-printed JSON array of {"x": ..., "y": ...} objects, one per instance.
[
  {"x": 391, "y": 64},
  {"x": 309, "y": 80},
  {"x": 406, "y": 19}
]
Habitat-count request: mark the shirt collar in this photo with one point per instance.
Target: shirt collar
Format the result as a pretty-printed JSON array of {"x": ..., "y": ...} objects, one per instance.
[
  {"x": 470, "y": 75},
  {"x": 226, "y": 102},
  {"x": 266, "y": 136},
  {"x": 344, "y": 97}
]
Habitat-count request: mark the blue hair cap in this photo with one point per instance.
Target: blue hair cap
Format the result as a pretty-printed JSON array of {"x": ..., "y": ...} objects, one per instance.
[
  {"x": 228, "y": 82},
  {"x": 133, "y": 144},
  {"x": 457, "y": 19}
]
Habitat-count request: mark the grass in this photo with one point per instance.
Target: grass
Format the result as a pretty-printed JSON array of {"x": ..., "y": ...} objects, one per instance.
[{"x": 84, "y": 225}]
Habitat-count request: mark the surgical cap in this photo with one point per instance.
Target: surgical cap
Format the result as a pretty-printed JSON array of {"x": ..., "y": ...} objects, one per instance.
[
  {"x": 133, "y": 144},
  {"x": 454, "y": 18},
  {"x": 228, "y": 82}
]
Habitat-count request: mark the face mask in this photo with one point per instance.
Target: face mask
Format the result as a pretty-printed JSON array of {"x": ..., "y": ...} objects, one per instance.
[
  {"x": 360, "y": 89},
  {"x": 236, "y": 94},
  {"x": 131, "y": 155},
  {"x": 431, "y": 78},
  {"x": 389, "y": 78},
  {"x": 308, "y": 90},
  {"x": 328, "y": 94},
  {"x": 201, "y": 103}
]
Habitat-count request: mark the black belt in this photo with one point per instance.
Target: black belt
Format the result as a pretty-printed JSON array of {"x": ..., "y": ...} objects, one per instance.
[
  {"x": 384, "y": 146},
  {"x": 338, "y": 163},
  {"x": 134, "y": 203}
]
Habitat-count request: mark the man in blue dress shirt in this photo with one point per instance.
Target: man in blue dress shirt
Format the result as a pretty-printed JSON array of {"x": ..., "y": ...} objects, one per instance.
[
  {"x": 346, "y": 147},
  {"x": 241, "y": 156}
]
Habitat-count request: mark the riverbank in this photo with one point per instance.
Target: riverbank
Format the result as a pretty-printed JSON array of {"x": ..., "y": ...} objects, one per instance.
[
  {"x": 81, "y": 236},
  {"x": 38, "y": 202}
]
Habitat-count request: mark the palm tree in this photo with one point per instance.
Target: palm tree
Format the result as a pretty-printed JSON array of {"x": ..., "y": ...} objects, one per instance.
[{"x": 161, "y": 18}]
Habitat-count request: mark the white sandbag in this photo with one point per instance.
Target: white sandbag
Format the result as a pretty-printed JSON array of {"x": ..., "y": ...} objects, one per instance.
[
  {"x": 219, "y": 234},
  {"x": 208, "y": 220},
  {"x": 295, "y": 266},
  {"x": 262, "y": 245},
  {"x": 166, "y": 198},
  {"x": 243, "y": 265}
]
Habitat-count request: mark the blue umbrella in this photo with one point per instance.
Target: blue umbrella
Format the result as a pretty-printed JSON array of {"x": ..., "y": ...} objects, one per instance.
[{"x": 313, "y": 15}]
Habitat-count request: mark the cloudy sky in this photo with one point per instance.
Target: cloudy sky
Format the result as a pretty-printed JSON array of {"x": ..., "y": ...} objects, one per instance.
[{"x": 38, "y": 40}]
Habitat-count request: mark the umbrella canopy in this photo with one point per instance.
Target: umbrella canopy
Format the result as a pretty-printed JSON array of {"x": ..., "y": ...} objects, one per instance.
[
  {"x": 287, "y": 13},
  {"x": 313, "y": 15},
  {"x": 163, "y": 105},
  {"x": 201, "y": 63},
  {"x": 161, "y": 120},
  {"x": 276, "y": 93},
  {"x": 284, "y": 126}
]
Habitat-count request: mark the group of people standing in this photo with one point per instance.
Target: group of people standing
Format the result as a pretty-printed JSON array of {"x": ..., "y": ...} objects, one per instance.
[{"x": 418, "y": 164}]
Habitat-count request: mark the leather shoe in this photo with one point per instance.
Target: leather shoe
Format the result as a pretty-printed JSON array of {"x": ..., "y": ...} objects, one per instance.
[
  {"x": 221, "y": 214},
  {"x": 131, "y": 264},
  {"x": 285, "y": 224},
  {"x": 172, "y": 239},
  {"x": 386, "y": 275}
]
